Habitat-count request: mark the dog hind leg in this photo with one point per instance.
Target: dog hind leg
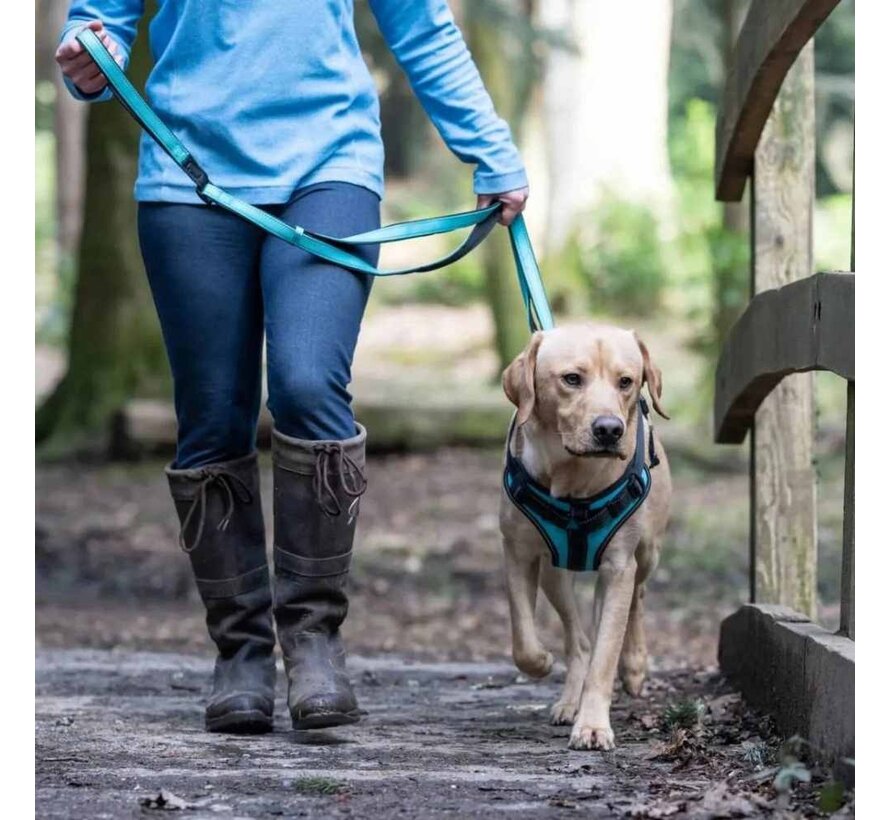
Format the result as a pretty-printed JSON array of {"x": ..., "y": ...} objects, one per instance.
[{"x": 633, "y": 665}]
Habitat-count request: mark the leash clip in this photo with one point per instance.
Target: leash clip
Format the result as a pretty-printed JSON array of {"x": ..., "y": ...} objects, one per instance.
[{"x": 197, "y": 175}]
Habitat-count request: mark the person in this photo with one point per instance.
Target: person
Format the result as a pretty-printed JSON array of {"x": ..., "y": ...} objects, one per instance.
[{"x": 276, "y": 103}]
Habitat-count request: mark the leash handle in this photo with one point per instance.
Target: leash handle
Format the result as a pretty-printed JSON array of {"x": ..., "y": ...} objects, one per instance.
[{"x": 332, "y": 249}]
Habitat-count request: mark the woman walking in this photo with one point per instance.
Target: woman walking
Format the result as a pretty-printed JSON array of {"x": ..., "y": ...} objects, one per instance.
[{"x": 279, "y": 107}]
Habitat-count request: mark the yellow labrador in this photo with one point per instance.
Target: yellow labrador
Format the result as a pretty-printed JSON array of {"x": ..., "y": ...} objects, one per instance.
[{"x": 576, "y": 389}]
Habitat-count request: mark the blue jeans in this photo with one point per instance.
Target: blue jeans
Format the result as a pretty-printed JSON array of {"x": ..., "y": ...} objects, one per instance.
[{"x": 218, "y": 282}]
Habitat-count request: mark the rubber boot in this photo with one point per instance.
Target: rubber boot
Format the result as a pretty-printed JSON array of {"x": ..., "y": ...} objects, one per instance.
[
  {"x": 318, "y": 485},
  {"x": 223, "y": 535}
]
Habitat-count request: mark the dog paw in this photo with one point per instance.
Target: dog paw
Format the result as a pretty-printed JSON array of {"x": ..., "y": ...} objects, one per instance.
[
  {"x": 563, "y": 713},
  {"x": 633, "y": 681},
  {"x": 587, "y": 737},
  {"x": 535, "y": 665}
]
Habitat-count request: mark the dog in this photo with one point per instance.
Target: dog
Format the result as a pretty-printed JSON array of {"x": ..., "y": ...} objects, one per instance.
[{"x": 577, "y": 390}]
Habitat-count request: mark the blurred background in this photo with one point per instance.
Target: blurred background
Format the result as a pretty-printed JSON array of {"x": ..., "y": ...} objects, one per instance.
[{"x": 615, "y": 114}]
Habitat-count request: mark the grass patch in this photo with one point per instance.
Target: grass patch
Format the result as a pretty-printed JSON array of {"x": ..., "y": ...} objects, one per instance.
[{"x": 319, "y": 786}]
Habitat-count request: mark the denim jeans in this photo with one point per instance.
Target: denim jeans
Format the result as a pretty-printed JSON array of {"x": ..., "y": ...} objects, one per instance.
[{"x": 219, "y": 283}]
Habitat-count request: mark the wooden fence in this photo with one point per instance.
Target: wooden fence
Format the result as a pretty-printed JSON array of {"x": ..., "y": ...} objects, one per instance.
[{"x": 797, "y": 322}]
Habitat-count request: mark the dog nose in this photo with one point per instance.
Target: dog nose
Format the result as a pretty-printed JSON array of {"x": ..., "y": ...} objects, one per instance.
[{"x": 607, "y": 430}]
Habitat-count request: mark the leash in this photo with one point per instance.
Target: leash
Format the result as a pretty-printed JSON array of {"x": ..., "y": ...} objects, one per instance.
[{"x": 333, "y": 249}]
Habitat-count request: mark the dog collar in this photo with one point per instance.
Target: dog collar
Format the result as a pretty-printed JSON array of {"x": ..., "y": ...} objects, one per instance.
[{"x": 578, "y": 530}]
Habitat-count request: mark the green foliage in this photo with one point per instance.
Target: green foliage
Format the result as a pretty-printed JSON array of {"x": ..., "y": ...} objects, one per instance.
[
  {"x": 711, "y": 259},
  {"x": 621, "y": 258},
  {"x": 459, "y": 284},
  {"x": 318, "y": 785},
  {"x": 54, "y": 274},
  {"x": 831, "y": 796},
  {"x": 684, "y": 714}
]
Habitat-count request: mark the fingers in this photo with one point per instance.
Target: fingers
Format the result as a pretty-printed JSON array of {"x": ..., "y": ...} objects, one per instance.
[
  {"x": 78, "y": 66},
  {"x": 514, "y": 204}
]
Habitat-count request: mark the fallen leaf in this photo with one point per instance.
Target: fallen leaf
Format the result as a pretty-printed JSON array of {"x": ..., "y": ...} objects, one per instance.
[
  {"x": 718, "y": 802},
  {"x": 165, "y": 801}
]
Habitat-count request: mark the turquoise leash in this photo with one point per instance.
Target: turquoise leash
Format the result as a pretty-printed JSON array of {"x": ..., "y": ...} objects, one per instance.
[{"x": 333, "y": 249}]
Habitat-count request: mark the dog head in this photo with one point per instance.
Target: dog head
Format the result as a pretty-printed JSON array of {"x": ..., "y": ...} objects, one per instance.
[{"x": 582, "y": 383}]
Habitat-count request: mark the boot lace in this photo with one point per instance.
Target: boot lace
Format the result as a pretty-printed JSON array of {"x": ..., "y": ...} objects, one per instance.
[
  {"x": 232, "y": 486},
  {"x": 332, "y": 461}
]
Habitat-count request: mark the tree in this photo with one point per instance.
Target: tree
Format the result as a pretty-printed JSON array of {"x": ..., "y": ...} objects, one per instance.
[
  {"x": 114, "y": 345},
  {"x": 605, "y": 107},
  {"x": 500, "y": 35}
]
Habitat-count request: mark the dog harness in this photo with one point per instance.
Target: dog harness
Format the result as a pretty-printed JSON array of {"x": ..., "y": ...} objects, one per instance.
[{"x": 578, "y": 530}]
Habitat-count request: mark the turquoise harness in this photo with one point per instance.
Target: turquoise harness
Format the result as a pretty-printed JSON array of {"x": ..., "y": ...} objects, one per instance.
[
  {"x": 578, "y": 530},
  {"x": 332, "y": 249}
]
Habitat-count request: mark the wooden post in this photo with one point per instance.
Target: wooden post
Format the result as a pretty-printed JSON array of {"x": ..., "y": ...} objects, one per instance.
[
  {"x": 848, "y": 565},
  {"x": 784, "y": 492}
]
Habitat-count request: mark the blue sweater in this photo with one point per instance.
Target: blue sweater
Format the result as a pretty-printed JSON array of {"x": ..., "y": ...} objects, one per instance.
[{"x": 273, "y": 95}]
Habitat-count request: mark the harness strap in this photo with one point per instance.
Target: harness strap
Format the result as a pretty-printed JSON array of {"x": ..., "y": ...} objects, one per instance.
[
  {"x": 332, "y": 249},
  {"x": 580, "y": 519}
]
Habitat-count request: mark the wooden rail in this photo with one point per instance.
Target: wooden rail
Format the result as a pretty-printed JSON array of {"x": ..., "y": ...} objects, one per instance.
[
  {"x": 773, "y": 34},
  {"x": 804, "y": 326}
]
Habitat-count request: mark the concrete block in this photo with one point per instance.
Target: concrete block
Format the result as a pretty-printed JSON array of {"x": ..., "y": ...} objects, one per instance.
[{"x": 798, "y": 672}]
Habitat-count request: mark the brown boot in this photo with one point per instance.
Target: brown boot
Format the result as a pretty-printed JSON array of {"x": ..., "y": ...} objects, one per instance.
[
  {"x": 317, "y": 489},
  {"x": 223, "y": 534}
]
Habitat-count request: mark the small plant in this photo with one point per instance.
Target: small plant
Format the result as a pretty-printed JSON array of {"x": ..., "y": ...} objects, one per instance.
[
  {"x": 831, "y": 796},
  {"x": 684, "y": 714},
  {"x": 791, "y": 770},
  {"x": 318, "y": 785},
  {"x": 757, "y": 754}
]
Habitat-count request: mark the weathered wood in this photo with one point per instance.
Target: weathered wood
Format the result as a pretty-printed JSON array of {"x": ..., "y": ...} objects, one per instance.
[
  {"x": 773, "y": 34},
  {"x": 785, "y": 488},
  {"x": 797, "y": 671},
  {"x": 804, "y": 326},
  {"x": 848, "y": 556},
  {"x": 848, "y": 565}
]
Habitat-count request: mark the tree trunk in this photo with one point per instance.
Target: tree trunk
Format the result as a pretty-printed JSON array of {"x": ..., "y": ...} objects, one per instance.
[
  {"x": 509, "y": 92},
  {"x": 115, "y": 349},
  {"x": 605, "y": 104}
]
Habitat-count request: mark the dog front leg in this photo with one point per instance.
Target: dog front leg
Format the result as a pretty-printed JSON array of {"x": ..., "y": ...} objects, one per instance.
[
  {"x": 592, "y": 728},
  {"x": 559, "y": 589},
  {"x": 522, "y": 590}
]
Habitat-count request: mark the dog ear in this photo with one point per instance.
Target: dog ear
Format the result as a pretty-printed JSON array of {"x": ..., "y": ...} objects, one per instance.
[
  {"x": 519, "y": 379},
  {"x": 652, "y": 377}
]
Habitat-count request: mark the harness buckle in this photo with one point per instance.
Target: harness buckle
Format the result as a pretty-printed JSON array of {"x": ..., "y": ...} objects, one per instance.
[{"x": 635, "y": 486}]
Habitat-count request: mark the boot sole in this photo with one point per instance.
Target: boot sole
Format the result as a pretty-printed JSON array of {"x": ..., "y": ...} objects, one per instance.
[
  {"x": 250, "y": 722},
  {"x": 325, "y": 720}
]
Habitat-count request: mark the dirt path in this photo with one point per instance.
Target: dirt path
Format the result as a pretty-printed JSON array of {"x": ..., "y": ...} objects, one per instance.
[
  {"x": 116, "y": 729},
  {"x": 123, "y": 661}
]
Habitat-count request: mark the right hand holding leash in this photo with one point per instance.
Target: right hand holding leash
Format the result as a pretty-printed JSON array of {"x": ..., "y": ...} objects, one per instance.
[{"x": 79, "y": 67}]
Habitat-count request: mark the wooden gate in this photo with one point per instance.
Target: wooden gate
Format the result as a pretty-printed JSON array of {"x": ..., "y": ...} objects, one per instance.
[{"x": 797, "y": 322}]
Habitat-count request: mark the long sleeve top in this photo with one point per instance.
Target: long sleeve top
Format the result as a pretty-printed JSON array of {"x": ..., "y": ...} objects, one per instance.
[{"x": 273, "y": 95}]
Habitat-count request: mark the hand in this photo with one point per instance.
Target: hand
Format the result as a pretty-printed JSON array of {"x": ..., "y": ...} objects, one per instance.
[
  {"x": 78, "y": 66},
  {"x": 514, "y": 203}
]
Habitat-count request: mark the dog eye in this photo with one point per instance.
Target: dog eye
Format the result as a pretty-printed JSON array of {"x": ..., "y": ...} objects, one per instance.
[
  {"x": 624, "y": 382},
  {"x": 572, "y": 379}
]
